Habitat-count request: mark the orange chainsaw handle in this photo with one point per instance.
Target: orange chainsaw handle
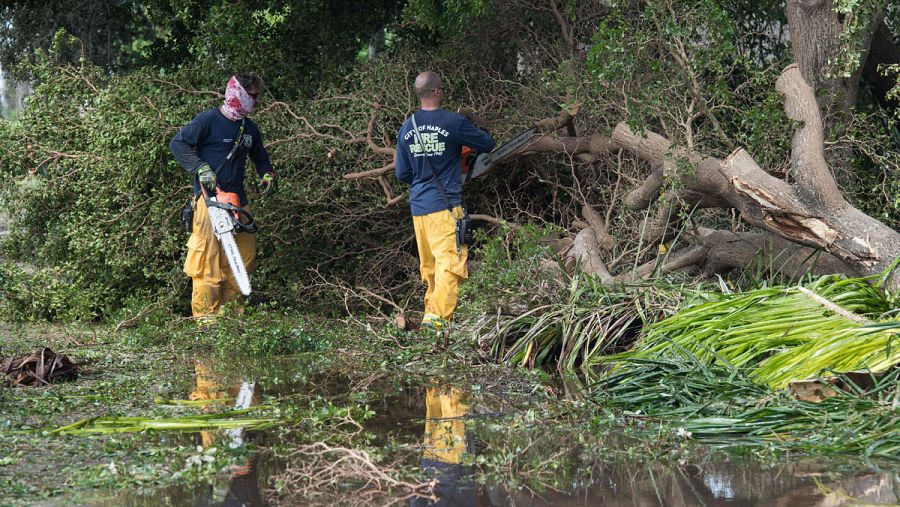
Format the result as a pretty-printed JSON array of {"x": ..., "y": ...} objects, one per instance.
[
  {"x": 232, "y": 200},
  {"x": 468, "y": 159},
  {"x": 225, "y": 197}
]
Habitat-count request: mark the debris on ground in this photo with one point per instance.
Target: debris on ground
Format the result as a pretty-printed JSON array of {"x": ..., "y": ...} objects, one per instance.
[{"x": 40, "y": 368}]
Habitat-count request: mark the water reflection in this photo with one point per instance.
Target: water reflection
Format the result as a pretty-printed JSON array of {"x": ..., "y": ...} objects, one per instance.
[
  {"x": 452, "y": 437},
  {"x": 445, "y": 447},
  {"x": 719, "y": 485},
  {"x": 239, "y": 485},
  {"x": 210, "y": 387},
  {"x": 718, "y": 480}
]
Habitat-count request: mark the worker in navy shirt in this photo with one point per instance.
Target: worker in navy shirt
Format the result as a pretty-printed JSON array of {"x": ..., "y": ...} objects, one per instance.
[
  {"x": 202, "y": 147},
  {"x": 443, "y": 135}
]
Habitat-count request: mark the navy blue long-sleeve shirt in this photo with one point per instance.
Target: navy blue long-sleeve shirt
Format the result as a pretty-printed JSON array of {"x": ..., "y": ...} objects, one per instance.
[
  {"x": 443, "y": 134},
  {"x": 208, "y": 138}
]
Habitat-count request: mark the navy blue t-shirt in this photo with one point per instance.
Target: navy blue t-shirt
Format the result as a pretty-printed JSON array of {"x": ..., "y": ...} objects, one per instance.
[
  {"x": 443, "y": 134},
  {"x": 208, "y": 138}
]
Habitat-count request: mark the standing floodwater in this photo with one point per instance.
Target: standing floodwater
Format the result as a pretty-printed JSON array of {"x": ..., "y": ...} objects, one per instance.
[{"x": 450, "y": 431}]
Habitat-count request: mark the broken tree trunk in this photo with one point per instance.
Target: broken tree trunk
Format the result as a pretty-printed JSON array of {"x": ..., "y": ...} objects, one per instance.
[{"x": 809, "y": 212}]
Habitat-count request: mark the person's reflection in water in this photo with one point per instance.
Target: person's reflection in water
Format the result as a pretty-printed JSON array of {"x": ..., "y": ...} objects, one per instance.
[
  {"x": 243, "y": 480},
  {"x": 445, "y": 447}
]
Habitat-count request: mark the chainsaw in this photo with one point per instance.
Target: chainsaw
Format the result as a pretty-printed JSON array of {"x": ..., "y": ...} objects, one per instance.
[
  {"x": 475, "y": 165},
  {"x": 228, "y": 219}
]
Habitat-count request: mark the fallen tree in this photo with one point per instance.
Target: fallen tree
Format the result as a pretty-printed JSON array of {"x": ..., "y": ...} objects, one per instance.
[
  {"x": 807, "y": 223},
  {"x": 658, "y": 122}
]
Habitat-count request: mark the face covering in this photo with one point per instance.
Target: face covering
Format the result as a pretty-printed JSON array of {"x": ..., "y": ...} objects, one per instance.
[{"x": 238, "y": 103}]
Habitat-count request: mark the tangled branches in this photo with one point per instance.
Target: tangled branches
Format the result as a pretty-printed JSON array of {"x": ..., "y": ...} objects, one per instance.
[{"x": 322, "y": 474}]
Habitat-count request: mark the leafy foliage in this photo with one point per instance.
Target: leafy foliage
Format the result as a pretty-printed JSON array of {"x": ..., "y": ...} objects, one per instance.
[
  {"x": 89, "y": 189},
  {"x": 263, "y": 331},
  {"x": 112, "y": 32},
  {"x": 293, "y": 45},
  {"x": 93, "y": 196},
  {"x": 509, "y": 270},
  {"x": 717, "y": 65}
]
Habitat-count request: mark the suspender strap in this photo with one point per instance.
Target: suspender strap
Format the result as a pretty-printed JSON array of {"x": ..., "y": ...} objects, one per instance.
[{"x": 237, "y": 142}]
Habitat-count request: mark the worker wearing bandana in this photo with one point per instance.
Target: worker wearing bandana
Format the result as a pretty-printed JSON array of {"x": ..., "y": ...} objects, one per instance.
[{"x": 202, "y": 148}]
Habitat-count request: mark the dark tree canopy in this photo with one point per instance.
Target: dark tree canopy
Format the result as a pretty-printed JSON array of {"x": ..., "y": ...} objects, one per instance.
[
  {"x": 293, "y": 44},
  {"x": 111, "y": 31}
]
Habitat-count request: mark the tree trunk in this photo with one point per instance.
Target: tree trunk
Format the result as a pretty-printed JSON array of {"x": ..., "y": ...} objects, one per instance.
[
  {"x": 808, "y": 224},
  {"x": 810, "y": 212},
  {"x": 816, "y": 31}
]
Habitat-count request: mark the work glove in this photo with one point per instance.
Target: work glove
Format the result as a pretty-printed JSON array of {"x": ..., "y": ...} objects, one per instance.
[
  {"x": 207, "y": 177},
  {"x": 269, "y": 184}
]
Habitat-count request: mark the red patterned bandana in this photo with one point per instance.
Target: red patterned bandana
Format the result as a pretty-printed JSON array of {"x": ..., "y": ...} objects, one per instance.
[{"x": 238, "y": 103}]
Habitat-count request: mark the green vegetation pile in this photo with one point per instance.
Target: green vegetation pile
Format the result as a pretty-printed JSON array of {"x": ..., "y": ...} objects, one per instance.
[
  {"x": 229, "y": 419},
  {"x": 780, "y": 334},
  {"x": 724, "y": 406}
]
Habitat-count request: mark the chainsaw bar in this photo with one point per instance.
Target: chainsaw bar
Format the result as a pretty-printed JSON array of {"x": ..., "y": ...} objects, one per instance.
[
  {"x": 484, "y": 163},
  {"x": 223, "y": 227}
]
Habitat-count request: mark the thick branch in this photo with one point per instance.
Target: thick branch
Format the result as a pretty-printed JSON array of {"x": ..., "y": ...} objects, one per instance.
[
  {"x": 550, "y": 143},
  {"x": 815, "y": 32},
  {"x": 810, "y": 170},
  {"x": 493, "y": 220},
  {"x": 372, "y": 173},
  {"x": 770, "y": 203},
  {"x": 657, "y": 150},
  {"x": 557, "y": 122},
  {"x": 669, "y": 214},
  {"x": 586, "y": 252},
  {"x": 370, "y": 131},
  {"x": 721, "y": 251},
  {"x": 598, "y": 224},
  {"x": 476, "y": 119},
  {"x": 692, "y": 256}
]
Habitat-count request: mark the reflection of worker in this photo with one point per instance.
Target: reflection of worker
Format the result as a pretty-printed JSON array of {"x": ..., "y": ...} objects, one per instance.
[
  {"x": 209, "y": 388},
  {"x": 242, "y": 489},
  {"x": 214, "y": 147},
  {"x": 432, "y": 169},
  {"x": 243, "y": 480},
  {"x": 445, "y": 447}
]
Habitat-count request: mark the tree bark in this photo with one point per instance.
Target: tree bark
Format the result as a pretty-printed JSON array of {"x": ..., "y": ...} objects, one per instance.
[
  {"x": 816, "y": 32},
  {"x": 810, "y": 212}
]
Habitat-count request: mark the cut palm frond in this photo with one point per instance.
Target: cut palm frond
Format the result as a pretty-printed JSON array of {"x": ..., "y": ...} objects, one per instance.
[
  {"x": 785, "y": 333},
  {"x": 720, "y": 404},
  {"x": 222, "y": 420},
  {"x": 594, "y": 320}
]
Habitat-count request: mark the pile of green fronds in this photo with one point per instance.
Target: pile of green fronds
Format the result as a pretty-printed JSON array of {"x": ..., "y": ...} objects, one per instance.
[
  {"x": 719, "y": 403},
  {"x": 593, "y": 320},
  {"x": 833, "y": 324},
  {"x": 222, "y": 420},
  {"x": 678, "y": 384}
]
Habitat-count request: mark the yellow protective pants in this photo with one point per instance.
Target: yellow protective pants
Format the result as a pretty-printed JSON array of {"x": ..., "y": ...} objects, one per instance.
[
  {"x": 206, "y": 264},
  {"x": 445, "y": 428},
  {"x": 441, "y": 266}
]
